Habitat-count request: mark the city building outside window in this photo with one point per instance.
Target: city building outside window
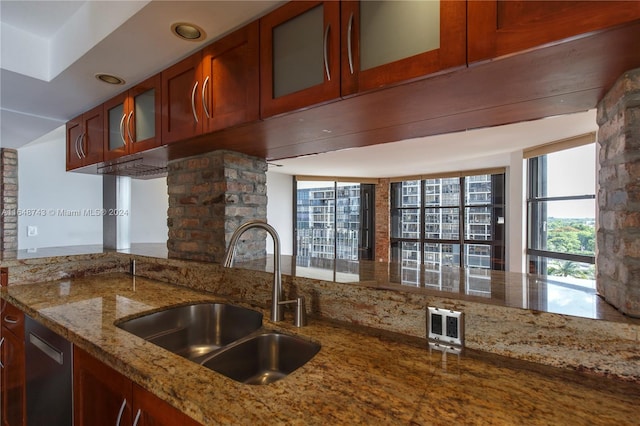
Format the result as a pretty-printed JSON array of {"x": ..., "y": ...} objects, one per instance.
[
  {"x": 561, "y": 210},
  {"x": 334, "y": 221},
  {"x": 447, "y": 221}
]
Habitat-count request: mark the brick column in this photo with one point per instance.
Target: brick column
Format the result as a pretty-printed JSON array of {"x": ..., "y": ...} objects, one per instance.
[
  {"x": 209, "y": 197},
  {"x": 383, "y": 205},
  {"x": 618, "y": 257},
  {"x": 8, "y": 202}
]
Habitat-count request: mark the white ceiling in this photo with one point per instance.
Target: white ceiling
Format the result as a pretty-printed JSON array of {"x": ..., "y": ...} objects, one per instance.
[{"x": 51, "y": 50}]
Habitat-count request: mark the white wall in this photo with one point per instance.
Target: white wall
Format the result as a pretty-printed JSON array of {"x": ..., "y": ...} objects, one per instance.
[
  {"x": 149, "y": 204},
  {"x": 280, "y": 210},
  {"x": 516, "y": 214},
  {"x": 51, "y": 195},
  {"x": 48, "y": 196}
]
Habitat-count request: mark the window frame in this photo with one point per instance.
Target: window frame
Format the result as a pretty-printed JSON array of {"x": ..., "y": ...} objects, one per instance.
[
  {"x": 536, "y": 205},
  {"x": 497, "y": 206}
]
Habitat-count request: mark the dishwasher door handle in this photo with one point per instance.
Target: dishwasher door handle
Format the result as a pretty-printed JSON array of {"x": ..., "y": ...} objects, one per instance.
[{"x": 47, "y": 348}]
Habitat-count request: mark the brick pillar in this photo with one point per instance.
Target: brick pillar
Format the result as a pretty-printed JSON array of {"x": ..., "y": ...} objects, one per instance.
[
  {"x": 9, "y": 200},
  {"x": 209, "y": 197},
  {"x": 618, "y": 257},
  {"x": 383, "y": 206}
]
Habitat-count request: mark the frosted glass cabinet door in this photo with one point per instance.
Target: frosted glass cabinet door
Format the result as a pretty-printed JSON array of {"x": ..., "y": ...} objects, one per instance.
[
  {"x": 386, "y": 42},
  {"x": 145, "y": 114},
  {"x": 394, "y": 30},
  {"x": 144, "y": 108},
  {"x": 300, "y": 56},
  {"x": 117, "y": 121}
]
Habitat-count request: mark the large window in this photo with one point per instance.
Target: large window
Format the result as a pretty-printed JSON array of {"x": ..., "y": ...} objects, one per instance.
[
  {"x": 449, "y": 221},
  {"x": 561, "y": 213},
  {"x": 333, "y": 221}
]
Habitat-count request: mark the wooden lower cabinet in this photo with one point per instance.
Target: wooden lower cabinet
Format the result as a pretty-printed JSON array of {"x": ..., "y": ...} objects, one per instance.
[
  {"x": 102, "y": 396},
  {"x": 12, "y": 371}
]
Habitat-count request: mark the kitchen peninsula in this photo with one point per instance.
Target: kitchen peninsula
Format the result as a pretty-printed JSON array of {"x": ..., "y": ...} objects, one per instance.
[{"x": 374, "y": 365}]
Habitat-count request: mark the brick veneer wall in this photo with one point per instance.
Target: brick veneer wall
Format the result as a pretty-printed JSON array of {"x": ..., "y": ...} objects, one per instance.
[
  {"x": 618, "y": 257},
  {"x": 209, "y": 197},
  {"x": 382, "y": 220},
  {"x": 9, "y": 199}
]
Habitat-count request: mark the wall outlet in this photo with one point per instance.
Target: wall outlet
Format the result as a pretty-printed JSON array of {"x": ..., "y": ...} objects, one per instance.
[
  {"x": 444, "y": 325},
  {"x": 32, "y": 231}
]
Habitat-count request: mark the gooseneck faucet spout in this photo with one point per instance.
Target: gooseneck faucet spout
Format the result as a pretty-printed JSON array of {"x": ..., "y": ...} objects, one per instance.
[{"x": 276, "y": 305}]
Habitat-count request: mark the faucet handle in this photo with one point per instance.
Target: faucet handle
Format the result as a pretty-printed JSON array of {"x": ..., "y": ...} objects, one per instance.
[{"x": 300, "y": 319}]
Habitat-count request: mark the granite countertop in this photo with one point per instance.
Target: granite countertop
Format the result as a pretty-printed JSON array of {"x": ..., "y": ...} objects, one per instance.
[{"x": 357, "y": 377}]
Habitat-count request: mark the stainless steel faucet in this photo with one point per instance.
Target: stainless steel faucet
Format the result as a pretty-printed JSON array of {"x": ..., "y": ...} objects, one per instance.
[{"x": 276, "y": 301}]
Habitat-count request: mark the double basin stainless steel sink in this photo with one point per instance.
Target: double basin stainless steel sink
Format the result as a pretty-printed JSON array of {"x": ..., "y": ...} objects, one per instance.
[{"x": 225, "y": 338}]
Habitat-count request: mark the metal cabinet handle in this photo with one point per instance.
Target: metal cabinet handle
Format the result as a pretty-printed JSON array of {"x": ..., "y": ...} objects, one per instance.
[
  {"x": 76, "y": 146},
  {"x": 326, "y": 54},
  {"x": 193, "y": 102},
  {"x": 204, "y": 100},
  {"x": 124, "y": 141},
  {"x": 1, "y": 343},
  {"x": 129, "y": 126},
  {"x": 124, "y": 404},
  {"x": 82, "y": 139},
  {"x": 349, "y": 51},
  {"x": 135, "y": 422},
  {"x": 46, "y": 347},
  {"x": 10, "y": 320}
]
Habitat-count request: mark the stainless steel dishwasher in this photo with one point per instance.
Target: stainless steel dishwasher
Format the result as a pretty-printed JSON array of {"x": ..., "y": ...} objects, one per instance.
[{"x": 49, "y": 380}]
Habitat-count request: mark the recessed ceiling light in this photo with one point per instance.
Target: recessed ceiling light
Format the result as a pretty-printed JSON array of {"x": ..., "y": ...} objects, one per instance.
[
  {"x": 187, "y": 31},
  {"x": 109, "y": 78}
]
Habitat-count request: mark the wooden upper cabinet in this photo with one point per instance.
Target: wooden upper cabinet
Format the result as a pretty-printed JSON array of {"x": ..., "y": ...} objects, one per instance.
[
  {"x": 230, "y": 80},
  {"x": 85, "y": 139},
  {"x": 182, "y": 96},
  {"x": 216, "y": 88},
  {"x": 299, "y": 56},
  {"x": 502, "y": 27},
  {"x": 387, "y": 42},
  {"x": 132, "y": 120}
]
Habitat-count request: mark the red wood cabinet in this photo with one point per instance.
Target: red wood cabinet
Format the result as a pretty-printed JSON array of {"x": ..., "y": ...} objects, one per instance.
[
  {"x": 84, "y": 139},
  {"x": 449, "y": 52},
  {"x": 181, "y": 105},
  {"x": 230, "y": 72},
  {"x": 12, "y": 371},
  {"x": 212, "y": 89},
  {"x": 502, "y": 27},
  {"x": 299, "y": 56},
  {"x": 102, "y": 396},
  {"x": 132, "y": 120}
]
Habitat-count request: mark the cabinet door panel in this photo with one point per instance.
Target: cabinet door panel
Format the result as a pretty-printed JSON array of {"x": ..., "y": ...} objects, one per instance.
[
  {"x": 13, "y": 380},
  {"x": 100, "y": 393},
  {"x": 300, "y": 56},
  {"x": 501, "y": 27},
  {"x": 181, "y": 105},
  {"x": 92, "y": 144},
  {"x": 152, "y": 411},
  {"x": 115, "y": 122},
  {"x": 232, "y": 88},
  {"x": 384, "y": 43},
  {"x": 145, "y": 105},
  {"x": 74, "y": 131}
]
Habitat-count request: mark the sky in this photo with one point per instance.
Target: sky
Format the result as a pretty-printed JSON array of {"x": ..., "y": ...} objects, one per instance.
[{"x": 572, "y": 172}]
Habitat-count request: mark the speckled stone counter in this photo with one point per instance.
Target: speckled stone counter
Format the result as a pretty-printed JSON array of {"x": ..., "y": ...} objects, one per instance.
[{"x": 356, "y": 378}]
